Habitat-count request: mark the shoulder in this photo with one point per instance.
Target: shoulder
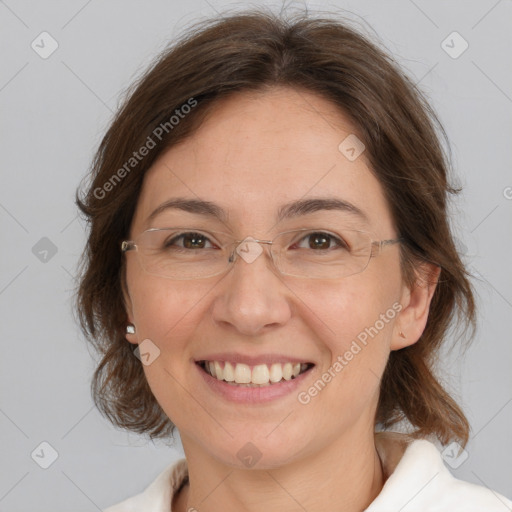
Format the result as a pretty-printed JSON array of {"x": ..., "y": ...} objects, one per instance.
[
  {"x": 157, "y": 497},
  {"x": 421, "y": 482}
]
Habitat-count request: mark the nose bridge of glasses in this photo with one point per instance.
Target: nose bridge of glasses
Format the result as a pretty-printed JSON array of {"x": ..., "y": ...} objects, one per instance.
[{"x": 248, "y": 249}]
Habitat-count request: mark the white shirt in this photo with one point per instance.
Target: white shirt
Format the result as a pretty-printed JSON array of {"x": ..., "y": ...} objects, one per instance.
[{"x": 416, "y": 481}]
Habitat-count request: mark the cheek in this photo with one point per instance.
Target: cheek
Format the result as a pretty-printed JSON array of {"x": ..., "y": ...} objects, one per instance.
[
  {"x": 168, "y": 314},
  {"x": 345, "y": 391},
  {"x": 354, "y": 320},
  {"x": 162, "y": 309},
  {"x": 357, "y": 309}
]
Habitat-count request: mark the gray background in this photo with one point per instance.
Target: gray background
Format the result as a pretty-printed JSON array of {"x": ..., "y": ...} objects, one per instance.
[{"x": 53, "y": 114}]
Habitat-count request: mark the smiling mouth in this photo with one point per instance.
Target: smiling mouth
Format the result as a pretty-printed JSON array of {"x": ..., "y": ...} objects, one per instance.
[{"x": 239, "y": 374}]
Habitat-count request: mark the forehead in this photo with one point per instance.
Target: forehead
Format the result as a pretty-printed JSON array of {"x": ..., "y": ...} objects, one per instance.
[{"x": 258, "y": 150}]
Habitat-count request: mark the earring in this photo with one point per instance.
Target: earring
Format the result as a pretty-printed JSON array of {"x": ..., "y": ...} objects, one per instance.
[
  {"x": 130, "y": 329},
  {"x": 401, "y": 334}
]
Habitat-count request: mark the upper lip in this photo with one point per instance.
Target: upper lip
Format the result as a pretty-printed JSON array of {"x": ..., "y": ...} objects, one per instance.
[{"x": 252, "y": 360}]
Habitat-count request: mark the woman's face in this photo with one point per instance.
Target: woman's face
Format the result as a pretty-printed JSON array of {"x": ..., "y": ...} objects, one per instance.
[{"x": 256, "y": 153}]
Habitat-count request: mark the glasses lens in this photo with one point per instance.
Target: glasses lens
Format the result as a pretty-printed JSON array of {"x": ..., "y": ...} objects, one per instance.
[
  {"x": 185, "y": 253},
  {"x": 182, "y": 253},
  {"x": 322, "y": 254}
]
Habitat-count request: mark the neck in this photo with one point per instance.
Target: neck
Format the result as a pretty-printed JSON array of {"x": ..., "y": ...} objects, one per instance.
[{"x": 346, "y": 475}]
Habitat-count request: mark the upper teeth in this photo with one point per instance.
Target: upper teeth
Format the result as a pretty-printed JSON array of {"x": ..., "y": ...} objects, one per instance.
[{"x": 260, "y": 374}]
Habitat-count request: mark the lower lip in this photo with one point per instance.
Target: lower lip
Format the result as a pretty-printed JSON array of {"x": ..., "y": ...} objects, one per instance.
[{"x": 252, "y": 395}]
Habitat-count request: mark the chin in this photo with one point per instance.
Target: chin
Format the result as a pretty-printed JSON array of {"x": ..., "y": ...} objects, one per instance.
[{"x": 253, "y": 449}]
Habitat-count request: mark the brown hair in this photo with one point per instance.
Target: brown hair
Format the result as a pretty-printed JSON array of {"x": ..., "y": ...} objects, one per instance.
[{"x": 253, "y": 51}]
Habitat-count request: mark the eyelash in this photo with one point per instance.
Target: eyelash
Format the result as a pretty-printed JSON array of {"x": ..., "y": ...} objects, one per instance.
[{"x": 338, "y": 241}]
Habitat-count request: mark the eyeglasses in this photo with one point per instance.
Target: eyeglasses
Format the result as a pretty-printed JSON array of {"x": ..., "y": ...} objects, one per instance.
[{"x": 187, "y": 253}]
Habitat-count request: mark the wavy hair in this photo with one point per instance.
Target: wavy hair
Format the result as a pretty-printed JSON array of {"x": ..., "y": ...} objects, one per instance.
[{"x": 255, "y": 50}]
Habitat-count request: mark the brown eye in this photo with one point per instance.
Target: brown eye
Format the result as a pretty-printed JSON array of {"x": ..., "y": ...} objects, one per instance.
[
  {"x": 321, "y": 241},
  {"x": 188, "y": 241},
  {"x": 194, "y": 241}
]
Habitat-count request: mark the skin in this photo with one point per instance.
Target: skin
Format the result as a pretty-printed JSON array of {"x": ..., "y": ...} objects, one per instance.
[{"x": 255, "y": 152}]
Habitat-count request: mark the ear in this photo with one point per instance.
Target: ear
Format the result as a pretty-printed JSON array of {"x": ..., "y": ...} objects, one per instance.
[
  {"x": 132, "y": 338},
  {"x": 415, "y": 302}
]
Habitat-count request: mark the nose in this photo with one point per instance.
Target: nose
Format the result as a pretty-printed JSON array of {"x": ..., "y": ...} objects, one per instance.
[{"x": 252, "y": 298}]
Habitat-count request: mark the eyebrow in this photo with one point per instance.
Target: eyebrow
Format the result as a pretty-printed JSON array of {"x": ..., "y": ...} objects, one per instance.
[{"x": 290, "y": 210}]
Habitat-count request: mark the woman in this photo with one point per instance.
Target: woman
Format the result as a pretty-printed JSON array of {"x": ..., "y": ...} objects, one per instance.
[{"x": 270, "y": 269}]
